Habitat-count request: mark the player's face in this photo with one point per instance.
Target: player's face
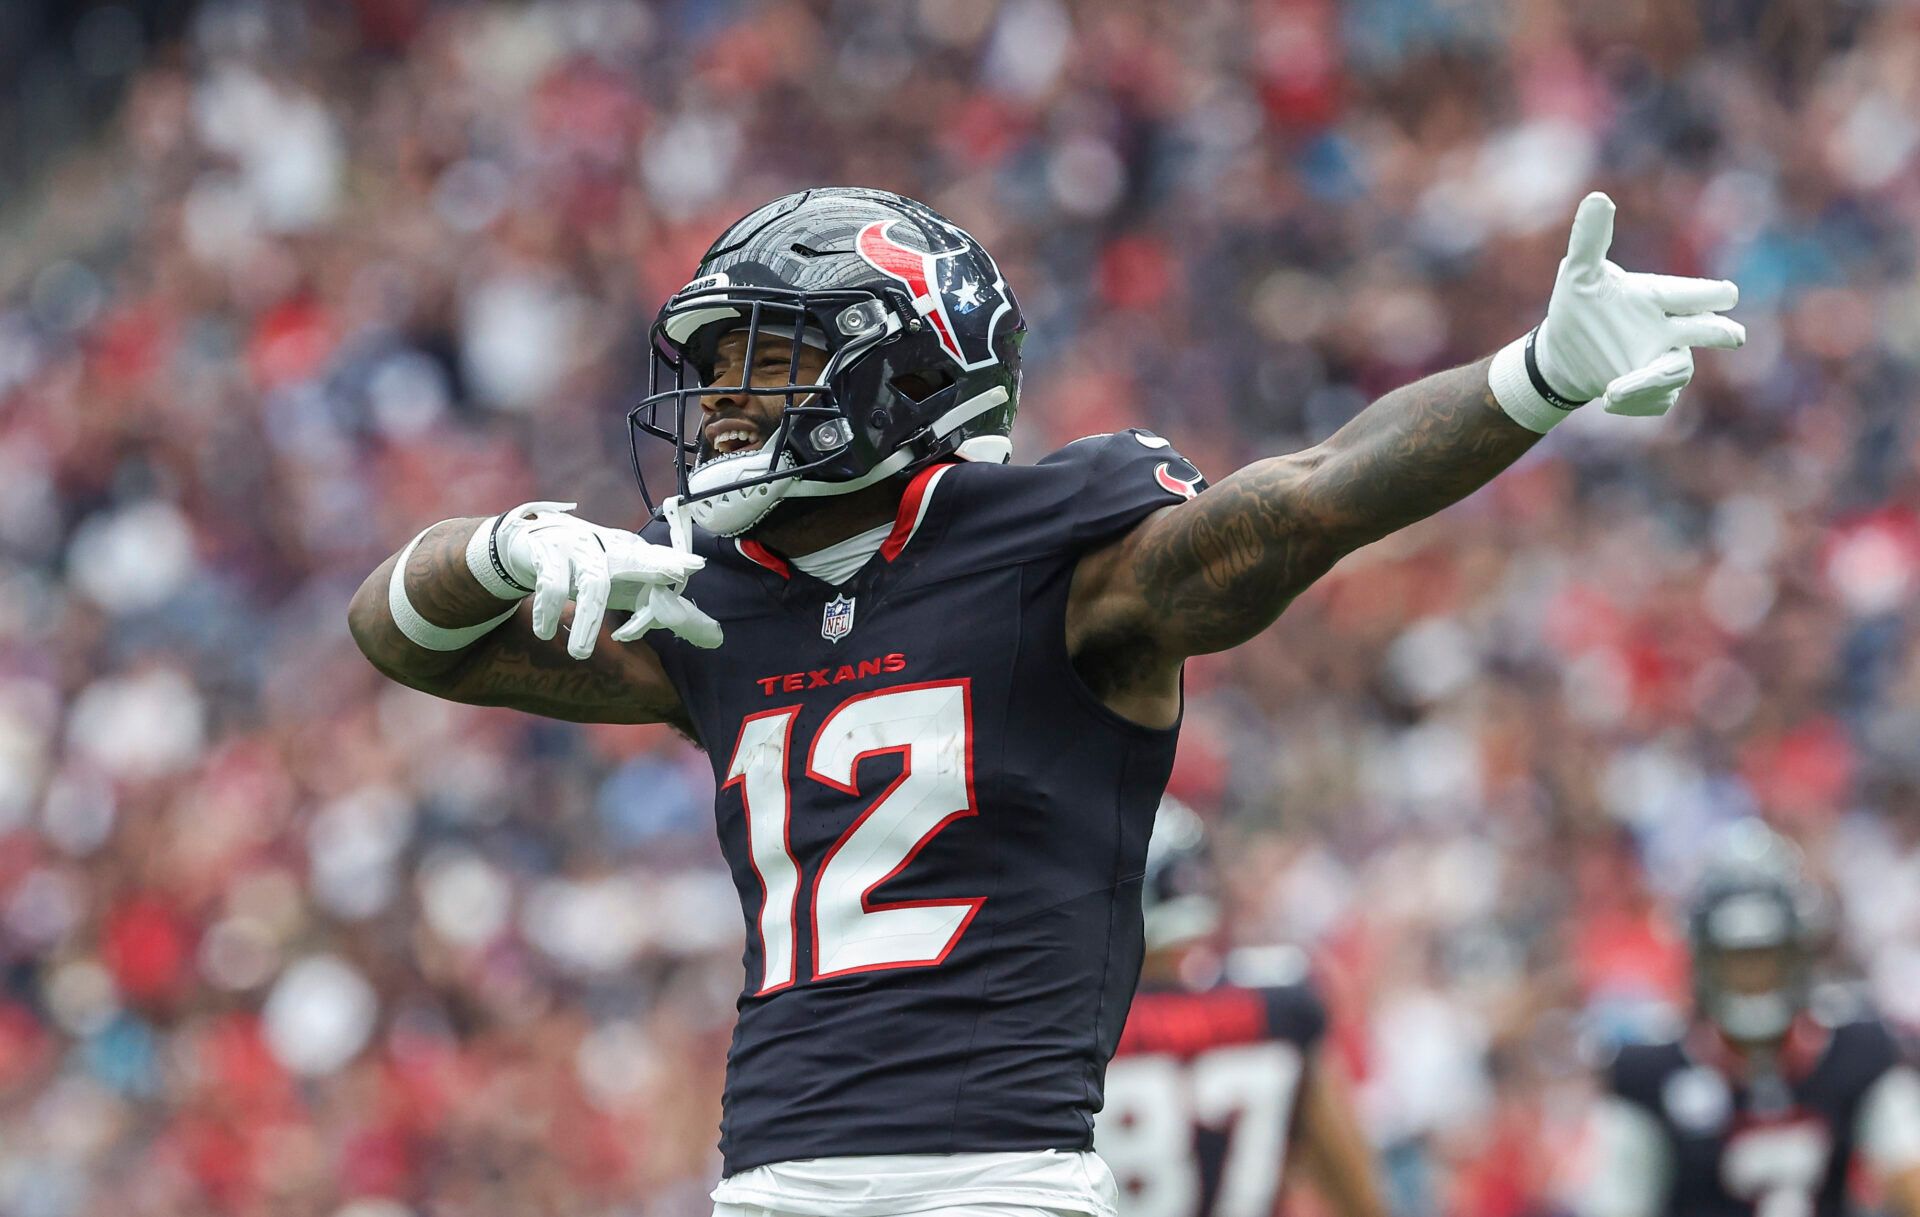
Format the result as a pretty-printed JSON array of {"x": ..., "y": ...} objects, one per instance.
[
  {"x": 735, "y": 422},
  {"x": 1752, "y": 972}
]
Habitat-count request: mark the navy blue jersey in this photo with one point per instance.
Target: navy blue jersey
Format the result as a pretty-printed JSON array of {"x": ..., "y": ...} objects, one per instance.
[
  {"x": 1730, "y": 1148},
  {"x": 1201, "y": 1098},
  {"x": 936, "y": 830}
]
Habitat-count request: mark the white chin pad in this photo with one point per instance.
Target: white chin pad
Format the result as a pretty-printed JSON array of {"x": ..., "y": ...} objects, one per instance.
[{"x": 727, "y": 512}]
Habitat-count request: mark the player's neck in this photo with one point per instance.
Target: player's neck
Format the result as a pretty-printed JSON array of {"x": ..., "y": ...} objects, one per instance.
[{"x": 822, "y": 522}]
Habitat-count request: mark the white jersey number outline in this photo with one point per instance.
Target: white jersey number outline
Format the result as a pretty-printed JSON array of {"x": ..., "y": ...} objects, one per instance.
[{"x": 931, "y": 726}]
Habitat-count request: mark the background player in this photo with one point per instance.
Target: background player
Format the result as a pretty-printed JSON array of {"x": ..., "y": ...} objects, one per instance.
[
  {"x": 1222, "y": 1085},
  {"x": 1771, "y": 1103},
  {"x": 942, "y": 945}
]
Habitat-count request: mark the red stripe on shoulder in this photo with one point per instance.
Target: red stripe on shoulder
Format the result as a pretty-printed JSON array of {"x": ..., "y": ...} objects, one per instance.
[{"x": 913, "y": 507}]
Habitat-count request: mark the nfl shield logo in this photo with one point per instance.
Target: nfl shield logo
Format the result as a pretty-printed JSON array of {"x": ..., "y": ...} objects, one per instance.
[{"x": 837, "y": 622}]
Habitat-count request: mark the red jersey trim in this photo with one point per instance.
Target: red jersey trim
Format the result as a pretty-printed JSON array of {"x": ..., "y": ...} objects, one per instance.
[
  {"x": 760, "y": 555},
  {"x": 913, "y": 509}
]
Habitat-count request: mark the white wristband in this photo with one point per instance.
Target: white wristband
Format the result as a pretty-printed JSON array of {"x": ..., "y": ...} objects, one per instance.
[
  {"x": 1513, "y": 389},
  {"x": 418, "y": 629},
  {"x": 484, "y": 561}
]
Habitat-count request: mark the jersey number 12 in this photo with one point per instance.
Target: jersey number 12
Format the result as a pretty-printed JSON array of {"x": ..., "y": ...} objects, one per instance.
[{"x": 931, "y": 727}]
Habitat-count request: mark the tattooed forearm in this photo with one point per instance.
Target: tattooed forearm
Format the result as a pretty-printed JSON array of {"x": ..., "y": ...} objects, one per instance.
[
  {"x": 1416, "y": 450},
  {"x": 439, "y": 583},
  {"x": 440, "y": 587},
  {"x": 618, "y": 683},
  {"x": 1215, "y": 571},
  {"x": 509, "y": 666}
]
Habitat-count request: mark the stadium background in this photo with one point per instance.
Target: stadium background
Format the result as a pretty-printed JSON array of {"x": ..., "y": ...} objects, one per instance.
[{"x": 281, "y": 282}]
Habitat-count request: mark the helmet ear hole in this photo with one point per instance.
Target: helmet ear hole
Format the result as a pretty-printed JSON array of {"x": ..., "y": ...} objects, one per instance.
[{"x": 918, "y": 386}]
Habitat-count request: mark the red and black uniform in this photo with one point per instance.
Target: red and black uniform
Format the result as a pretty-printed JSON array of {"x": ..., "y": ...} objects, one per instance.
[
  {"x": 1733, "y": 1148},
  {"x": 1201, "y": 1098},
  {"x": 937, "y": 831}
]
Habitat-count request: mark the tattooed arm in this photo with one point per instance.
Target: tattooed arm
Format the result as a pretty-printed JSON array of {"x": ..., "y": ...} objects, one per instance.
[
  {"x": 1214, "y": 571},
  {"x": 508, "y": 666}
]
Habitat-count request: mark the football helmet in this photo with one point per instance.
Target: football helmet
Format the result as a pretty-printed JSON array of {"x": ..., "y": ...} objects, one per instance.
[
  {"x": 1179, "y": 895},
  {"x": 921, "y": 337},
  {"x": 1755, "y": 927}
]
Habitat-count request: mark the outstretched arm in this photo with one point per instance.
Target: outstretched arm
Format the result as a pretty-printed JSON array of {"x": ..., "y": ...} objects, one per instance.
[
  {"x": 1212, "y": 572},
  {"x": 510, "y": 665}
]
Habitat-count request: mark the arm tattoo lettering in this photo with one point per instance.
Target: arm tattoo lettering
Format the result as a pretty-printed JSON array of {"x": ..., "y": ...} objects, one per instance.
[
  {"x": 509, "y": 666},
  {"x": 617, "y": 683}
]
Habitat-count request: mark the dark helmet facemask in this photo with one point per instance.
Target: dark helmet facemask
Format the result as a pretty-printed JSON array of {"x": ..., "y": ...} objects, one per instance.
[
  {"x": 728, "y": 494},
  {"x": 908, "y": 379}
]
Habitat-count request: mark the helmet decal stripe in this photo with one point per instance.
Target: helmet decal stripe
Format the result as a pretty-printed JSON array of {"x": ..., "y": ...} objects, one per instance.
[
  {"x": 920, "y": 274},
  {"x": 910, "y": 266}
]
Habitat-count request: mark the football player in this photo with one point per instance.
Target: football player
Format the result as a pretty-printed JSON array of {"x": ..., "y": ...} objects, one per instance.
[
  {"x": 1220, "y": 1081},
  {"x": 949, "y": 689},
  {"x": 1769, "y": 1104}
]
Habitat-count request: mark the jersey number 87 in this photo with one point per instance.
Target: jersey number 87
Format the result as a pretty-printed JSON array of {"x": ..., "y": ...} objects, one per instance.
[{"x": 1155, "y": 1104}]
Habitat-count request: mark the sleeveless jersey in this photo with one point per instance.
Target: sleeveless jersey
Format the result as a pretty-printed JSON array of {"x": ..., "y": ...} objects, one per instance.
[
  {"x": 1734, "y": 1153},
  {"x": 937, "y": 831},
  {"x": 1200, "y": 1098}
]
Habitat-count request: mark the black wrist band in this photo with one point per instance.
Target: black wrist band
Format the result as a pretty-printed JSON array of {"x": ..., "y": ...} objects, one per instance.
[
  {"x": 500, "y": 568},
  {"x": 1540, "y": 384}
]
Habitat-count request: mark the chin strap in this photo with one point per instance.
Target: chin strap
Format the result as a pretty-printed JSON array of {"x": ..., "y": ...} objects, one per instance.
[
  {"x": 802, "y": 489},
  {"x": 679, "y": 528}
]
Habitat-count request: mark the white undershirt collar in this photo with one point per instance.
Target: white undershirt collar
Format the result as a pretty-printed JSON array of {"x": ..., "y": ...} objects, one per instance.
[{"x": 842, "y": 560}]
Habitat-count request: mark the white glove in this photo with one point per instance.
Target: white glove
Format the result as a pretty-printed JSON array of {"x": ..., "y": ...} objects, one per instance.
[
  {"x": 538, "y": 547},
  {"x": 1609, "y": 333},
  {"x": 657, "y": 605},
  {"x": 662, "y": 605}
]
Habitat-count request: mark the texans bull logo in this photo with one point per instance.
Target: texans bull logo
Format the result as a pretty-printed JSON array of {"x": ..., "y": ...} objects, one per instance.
[
  {"x": 943, "y": 286},
  {"x": 1173, "y": 483}
]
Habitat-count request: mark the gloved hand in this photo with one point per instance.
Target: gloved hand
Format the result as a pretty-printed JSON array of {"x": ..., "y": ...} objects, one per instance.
[
  {"x": 662, "y": 605},
  {"x": 1611, "y": 333},
  {"x": 656, "y": 605},
  {"x": 538, "y": 547}
]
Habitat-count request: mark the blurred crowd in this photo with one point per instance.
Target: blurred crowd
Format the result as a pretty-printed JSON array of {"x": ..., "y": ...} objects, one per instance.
[{"x": 280, "y": 938}]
